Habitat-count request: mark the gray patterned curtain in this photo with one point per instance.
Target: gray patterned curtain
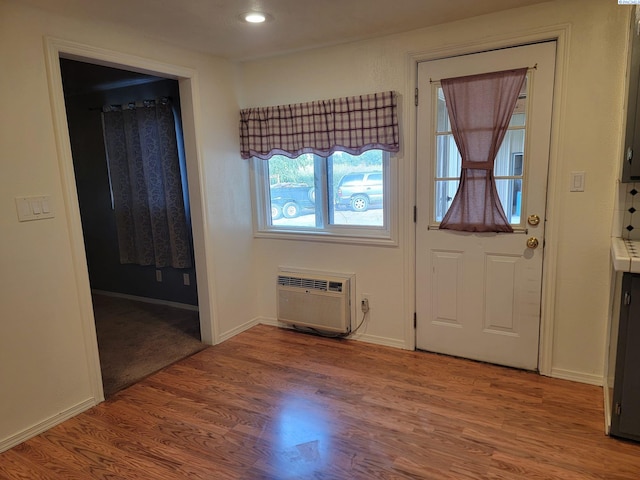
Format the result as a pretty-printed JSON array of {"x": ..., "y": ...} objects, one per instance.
[{"x": 146, "y": 181}]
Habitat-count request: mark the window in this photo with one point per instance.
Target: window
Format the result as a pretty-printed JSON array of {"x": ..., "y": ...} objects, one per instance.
[
  {"x": 343, "y": 195},
  {"x": 322, "y": 170},
  {"x": 509, "y": 168}
]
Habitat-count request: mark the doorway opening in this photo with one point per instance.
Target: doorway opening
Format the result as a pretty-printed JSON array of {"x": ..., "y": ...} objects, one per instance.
[{"x": 146, "y": 317}]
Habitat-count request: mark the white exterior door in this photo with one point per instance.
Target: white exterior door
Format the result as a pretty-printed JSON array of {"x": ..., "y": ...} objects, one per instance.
[{"x": 478, "y": 294}]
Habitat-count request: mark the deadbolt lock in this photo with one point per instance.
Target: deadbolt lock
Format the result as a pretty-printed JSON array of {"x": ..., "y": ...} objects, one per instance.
[
  {"x": 532, "y": 242},
  {"x": 533, "y": 220}
]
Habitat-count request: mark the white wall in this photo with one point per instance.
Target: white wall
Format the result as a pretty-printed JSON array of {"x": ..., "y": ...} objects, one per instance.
[
  {"x": 46, "y": 361},
  {"x": 586, "y": 137}
]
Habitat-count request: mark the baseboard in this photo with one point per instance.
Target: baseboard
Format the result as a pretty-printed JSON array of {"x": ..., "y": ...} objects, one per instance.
[
  {"x": 271, "y": 321},
  {"x": 607, "y": 406},
  {"x": 387, "y": 342},
  {"x": 239, "y": 329},
  {"x": 361, "y": 337},
  {"x": 577, "y": 376},
  {"x": 156, "y": 301},
  {"x": 45, "y": 425}
]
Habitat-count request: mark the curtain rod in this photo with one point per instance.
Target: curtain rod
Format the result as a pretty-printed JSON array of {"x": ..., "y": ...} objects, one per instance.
[
  {"x": 137, "y": 104},
  {"x": 535, "y": 67}
]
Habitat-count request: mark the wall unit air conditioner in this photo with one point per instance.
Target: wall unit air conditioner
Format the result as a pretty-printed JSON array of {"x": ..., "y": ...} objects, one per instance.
[{"x": 321, "y": 302}]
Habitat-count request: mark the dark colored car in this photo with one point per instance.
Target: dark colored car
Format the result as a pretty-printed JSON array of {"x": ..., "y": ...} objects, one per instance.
[
  {"x": 359, "y": 191},
  {"x": 290, "y": 199}
]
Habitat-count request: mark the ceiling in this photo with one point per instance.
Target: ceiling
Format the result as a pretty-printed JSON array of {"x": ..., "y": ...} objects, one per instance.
[{"x": 213, "y": 26}]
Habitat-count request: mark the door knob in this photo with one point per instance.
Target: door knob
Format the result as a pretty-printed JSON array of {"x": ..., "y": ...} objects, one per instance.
[
  {"x": 533, "y": 220},
  {"x": 532, "y": 242}
]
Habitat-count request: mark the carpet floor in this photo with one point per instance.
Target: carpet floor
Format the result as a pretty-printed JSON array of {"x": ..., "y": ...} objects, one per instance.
[{"x": 136, "y": 339}]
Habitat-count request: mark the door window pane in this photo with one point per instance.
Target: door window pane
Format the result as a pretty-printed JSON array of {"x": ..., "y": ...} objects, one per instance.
[
  {"x": 443, "y": 124},
  {"x": 510, "y": 193},
  {"x": 448, "y": 159},
  {"x": 444, "y": 192},
  {"x": 506, "y": 164}
]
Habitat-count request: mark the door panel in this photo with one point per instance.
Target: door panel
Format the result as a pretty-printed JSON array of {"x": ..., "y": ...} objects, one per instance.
[
  {"x": 478, "y": 294},
  {"x": 447, "y": 286},
  {"x": 500, "y": 302}
]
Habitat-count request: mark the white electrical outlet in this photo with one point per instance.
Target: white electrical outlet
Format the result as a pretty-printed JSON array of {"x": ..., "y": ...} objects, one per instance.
[
  {"x": 158, "y": 275},
  {"x": 186, "y": 279},
  {"x": 365, "y": 303}
]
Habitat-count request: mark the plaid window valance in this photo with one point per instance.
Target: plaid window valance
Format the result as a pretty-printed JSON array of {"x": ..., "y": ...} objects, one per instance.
[{"x": 350, "y": 124}]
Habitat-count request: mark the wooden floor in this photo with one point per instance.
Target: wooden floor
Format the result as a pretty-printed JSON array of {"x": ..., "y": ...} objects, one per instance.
[{"x": 277, "y": 404}]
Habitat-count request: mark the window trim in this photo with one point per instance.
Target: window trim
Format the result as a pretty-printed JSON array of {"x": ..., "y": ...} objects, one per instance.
[{"x": 386, "y": 235}]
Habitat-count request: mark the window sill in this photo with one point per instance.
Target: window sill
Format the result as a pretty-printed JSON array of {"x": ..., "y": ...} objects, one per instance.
[{"x": 327, "y": 237}]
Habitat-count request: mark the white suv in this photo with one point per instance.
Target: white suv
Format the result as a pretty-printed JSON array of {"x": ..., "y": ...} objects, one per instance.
[{"x": 359, "y": 191}]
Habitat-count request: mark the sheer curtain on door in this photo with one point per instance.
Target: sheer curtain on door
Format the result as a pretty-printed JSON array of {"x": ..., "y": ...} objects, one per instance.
[{"x": 480, "y": 107}]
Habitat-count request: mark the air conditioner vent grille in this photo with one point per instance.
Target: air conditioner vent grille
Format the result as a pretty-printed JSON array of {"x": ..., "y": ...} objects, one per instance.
[{"x": 309, "y": 283}]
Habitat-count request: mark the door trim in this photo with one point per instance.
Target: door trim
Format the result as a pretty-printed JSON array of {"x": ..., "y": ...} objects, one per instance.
[
  {"x": 188, "y": 84},
  {"x": 560, "y": 34}
]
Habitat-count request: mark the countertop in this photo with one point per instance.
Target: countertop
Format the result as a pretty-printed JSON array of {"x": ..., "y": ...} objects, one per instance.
[{"x": 625, "y": 255}]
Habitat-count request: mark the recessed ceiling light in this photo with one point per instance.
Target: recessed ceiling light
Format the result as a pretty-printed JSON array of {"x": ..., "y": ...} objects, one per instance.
[{"x": 254, "y": 17}]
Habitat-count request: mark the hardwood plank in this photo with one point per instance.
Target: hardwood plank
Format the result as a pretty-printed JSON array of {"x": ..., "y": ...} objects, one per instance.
[
  {"x": 277, "y": 404},
  {"x": 14, "y": 465}
]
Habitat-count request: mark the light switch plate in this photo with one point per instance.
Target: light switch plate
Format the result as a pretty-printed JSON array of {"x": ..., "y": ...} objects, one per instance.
[
  {"x": 577, "y": 182},
  {"x": 34, "y": 208}
]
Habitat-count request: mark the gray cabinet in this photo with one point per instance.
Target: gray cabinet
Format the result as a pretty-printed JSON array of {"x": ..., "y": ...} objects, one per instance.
[
  {"x": 625, "y": 415},
  {"x": 631, "y": 161}
]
